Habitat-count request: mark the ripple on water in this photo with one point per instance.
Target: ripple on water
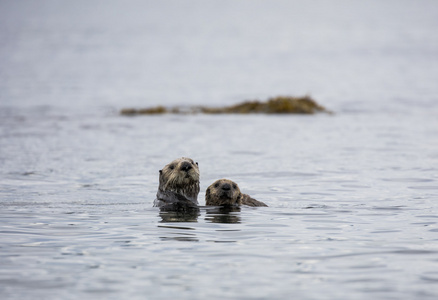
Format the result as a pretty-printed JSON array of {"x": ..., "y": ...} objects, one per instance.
[{"x": 352, "y": 197}]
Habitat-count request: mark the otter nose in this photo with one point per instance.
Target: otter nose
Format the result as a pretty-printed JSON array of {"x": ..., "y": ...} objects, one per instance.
[
  {"x": 186, "y": 166},
  {"x": 226, "y": 187}
]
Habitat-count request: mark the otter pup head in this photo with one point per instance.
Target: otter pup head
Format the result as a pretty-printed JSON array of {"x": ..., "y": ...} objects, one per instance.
[
  {"x": 181, "y": 176},
  {"x": 223, "y": 192}
]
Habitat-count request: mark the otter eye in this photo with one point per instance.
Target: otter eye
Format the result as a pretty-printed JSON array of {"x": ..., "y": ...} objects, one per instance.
[
  {"x": 172, "y": 167},
  {"x": 234, "y": 186},
  {"x": 216, "y": 185}
]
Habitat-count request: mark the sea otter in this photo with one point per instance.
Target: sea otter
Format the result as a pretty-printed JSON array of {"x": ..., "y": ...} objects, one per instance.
[
  {"x": 178, "y": 185},
  {"x": 224, "y": 192}
]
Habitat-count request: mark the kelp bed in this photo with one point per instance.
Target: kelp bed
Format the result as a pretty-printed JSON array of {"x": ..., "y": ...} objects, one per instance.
[{"x": 276, "y": 105}]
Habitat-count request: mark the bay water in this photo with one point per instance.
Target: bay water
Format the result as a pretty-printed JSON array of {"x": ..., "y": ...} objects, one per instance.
[{"x": 352, "y": 195}]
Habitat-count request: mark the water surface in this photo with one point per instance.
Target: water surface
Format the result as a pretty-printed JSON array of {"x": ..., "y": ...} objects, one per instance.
[{"x": 352, "y": 196}]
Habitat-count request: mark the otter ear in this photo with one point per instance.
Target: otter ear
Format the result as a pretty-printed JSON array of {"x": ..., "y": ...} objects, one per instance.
[
  {"x": 161, "y": 171},
  {"x": 196, "y": 163}
]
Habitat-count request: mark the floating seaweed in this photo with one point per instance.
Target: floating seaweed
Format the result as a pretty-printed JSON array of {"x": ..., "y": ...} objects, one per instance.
[
  {"x": 144, "y": 111},
  {"x": 276, "y": 105}
]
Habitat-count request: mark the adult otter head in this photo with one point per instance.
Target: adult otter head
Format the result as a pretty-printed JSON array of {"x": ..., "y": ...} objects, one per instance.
[
  {"x": 223, "y": 192},
  {"x": 179, "y": 178}
]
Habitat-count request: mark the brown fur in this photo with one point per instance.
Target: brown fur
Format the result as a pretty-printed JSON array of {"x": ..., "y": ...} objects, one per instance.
[
  {"x": 224, "y": 192},
  {"x": 179, "y": 184}
]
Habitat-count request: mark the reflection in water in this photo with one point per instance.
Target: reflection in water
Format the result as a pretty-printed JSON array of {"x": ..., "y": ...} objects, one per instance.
[
  {"x": 179, "y": 238},
  {"x": 178, "y": 233},
  {"x": 179, "y": 216},
  {"x": 170, "y": 232},
  {"x": 223, "y": 215}
]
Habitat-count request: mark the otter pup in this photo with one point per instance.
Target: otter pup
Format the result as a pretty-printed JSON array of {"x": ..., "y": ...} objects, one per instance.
[
  {"x": 179, "y": 185},
  {"x": 224, "y": 192}
]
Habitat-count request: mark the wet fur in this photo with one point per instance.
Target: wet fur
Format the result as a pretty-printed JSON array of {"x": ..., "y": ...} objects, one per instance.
[
  {"x": 224, "y": 192},
  {"x": 178, "y": 185}
]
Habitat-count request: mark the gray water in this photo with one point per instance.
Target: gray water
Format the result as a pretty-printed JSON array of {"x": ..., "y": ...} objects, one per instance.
[{"x": 352, "y": 196}]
